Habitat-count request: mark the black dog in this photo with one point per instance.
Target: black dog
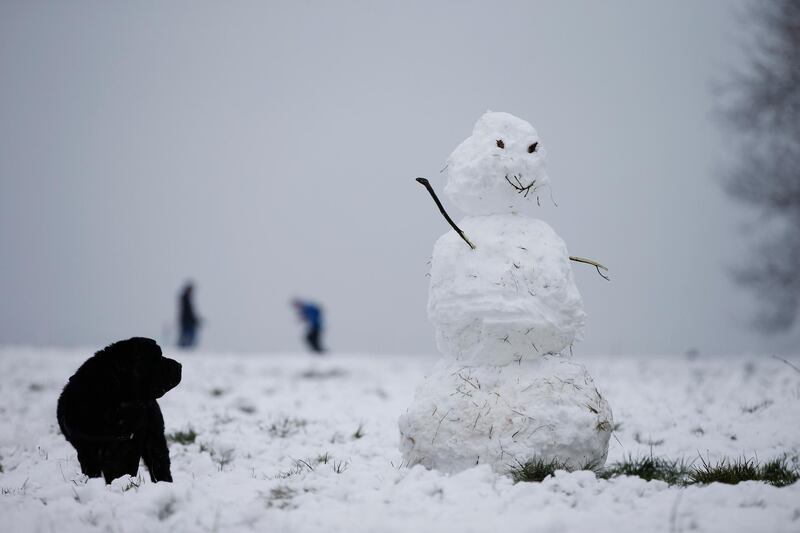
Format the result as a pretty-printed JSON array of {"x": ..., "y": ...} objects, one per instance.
[{"x": 108, "y": 410}]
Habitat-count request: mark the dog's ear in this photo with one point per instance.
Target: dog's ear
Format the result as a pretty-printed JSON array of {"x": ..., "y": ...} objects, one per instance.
[
  {"x": 130, "y": 364},
  {"x": 147, "y": 356}
]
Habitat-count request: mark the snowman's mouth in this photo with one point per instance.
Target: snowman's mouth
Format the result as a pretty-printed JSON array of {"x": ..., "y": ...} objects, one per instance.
[{"x": 515, "y": 182}]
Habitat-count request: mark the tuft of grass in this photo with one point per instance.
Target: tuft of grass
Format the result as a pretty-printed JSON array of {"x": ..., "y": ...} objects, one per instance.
[
  {"x": 222, "y": 455},
  {"x": 323, "y": 458},
  {"x": 15, "y": 491},
  {"x": 359, "y": 432},
  {"x": 299, "y": 467},
  {"x": 286, "y": 474},
  {"x": 247, "y": 408},
  {"x": 286, "y": 427},
  {"x": 776, "y": 472},
  {"x": 674, "y": 472},
  {"x": 779, "y": 473},
  {"x": 167, "y": 509},
  {"x": 535, "y": 470},
  {"x": 281, "y": 497},
  {"x": 182, "y": 437},
  {"x": 322, "y": 374},
  {"x": 726, "y": 471},
  {"x": 750, "y": 409}
]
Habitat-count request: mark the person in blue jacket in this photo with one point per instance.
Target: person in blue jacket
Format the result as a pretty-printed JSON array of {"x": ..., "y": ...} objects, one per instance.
[{"x": 311, "y": 314}]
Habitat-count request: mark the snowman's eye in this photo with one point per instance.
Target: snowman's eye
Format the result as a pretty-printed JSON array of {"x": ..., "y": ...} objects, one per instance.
[
  {"x": 532, "y": 148},
  {"x": 500, "y": 143}
]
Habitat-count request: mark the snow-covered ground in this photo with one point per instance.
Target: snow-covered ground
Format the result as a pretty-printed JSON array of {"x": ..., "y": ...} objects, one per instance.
[{"x": 287, "y": 442}]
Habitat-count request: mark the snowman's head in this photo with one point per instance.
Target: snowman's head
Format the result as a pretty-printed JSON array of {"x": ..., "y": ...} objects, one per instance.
[{"x": 499, "y": 168}]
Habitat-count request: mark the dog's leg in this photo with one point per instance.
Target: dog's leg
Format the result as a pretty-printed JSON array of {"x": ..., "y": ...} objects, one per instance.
[
  {"x": 89, "y": 458},
  {"x": 120, "y": 458},
  {"x": 156, "y": 452}
]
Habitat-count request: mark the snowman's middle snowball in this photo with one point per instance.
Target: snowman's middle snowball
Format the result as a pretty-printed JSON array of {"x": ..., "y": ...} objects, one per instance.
[{"x": 511, "y": 298}]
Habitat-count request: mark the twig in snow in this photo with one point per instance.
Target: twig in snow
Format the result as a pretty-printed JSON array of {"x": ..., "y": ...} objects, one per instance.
[
  {"x": 520, "y": 188},
  {"x": 440, "y": 425},
  {"x": 449, "y": 220},
  {"x": 787, "y": 362},
  {"x": 595, "y": 264}
]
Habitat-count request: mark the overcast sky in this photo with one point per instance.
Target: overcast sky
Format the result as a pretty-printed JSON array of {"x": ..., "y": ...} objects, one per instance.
[{"x": 269, "y": 149}]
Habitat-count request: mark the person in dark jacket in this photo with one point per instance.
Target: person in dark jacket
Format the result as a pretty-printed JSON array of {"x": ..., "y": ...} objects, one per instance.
[
  {"x": 311, "y": 314},
  {"x": 188, "y": 321}
]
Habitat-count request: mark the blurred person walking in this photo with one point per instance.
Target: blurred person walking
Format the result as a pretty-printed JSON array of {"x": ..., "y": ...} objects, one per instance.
[
  {"x": 311, "y": 314},
  {"x": 188, "y": 321}
]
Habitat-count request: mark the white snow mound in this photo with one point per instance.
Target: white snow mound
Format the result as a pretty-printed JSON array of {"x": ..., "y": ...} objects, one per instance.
[
  {"x": 545, "y": 408},
  {"x": 512, "y": 298},
  {"x": 499, "y": 168}
]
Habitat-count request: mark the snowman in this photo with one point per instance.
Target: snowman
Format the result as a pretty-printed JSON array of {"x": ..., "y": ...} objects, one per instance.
[{"x": 506, "y": 312}]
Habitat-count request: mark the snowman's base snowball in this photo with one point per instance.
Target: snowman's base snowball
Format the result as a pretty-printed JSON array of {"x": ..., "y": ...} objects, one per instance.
[{"x": 544, "y": 408}]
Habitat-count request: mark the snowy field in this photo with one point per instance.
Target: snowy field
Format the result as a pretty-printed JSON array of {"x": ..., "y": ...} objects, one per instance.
[{"x": 286, "y": 442}]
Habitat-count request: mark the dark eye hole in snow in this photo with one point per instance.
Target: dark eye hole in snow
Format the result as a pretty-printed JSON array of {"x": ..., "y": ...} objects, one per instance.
[
  {"x": 501, "y": 144},
  {"x": 532, "y": 148}
]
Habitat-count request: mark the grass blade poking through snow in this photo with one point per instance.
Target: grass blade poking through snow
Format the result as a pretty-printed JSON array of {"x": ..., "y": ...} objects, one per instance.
[
  {"x": 182, "y": 437},
  {"x": 536, "y": 469},
  {"x": 674, "y": 472},
  {"x": 776, "y": 472}
]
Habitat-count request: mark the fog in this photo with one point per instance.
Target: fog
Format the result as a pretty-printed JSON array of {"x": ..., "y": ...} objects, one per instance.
[{"x": 269, "y": 150}]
